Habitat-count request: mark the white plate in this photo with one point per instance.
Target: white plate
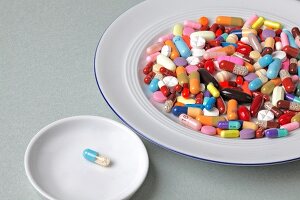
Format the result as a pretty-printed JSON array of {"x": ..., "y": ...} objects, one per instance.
[
  {"x": 120, "y": 57},
  {"x": 56, "y": 168}
]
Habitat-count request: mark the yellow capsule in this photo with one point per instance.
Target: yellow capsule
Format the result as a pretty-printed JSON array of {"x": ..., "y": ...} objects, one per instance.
[
  {"x": 270, "y": 85},
  {"x": 230, "y": 133},
  {"x": 258, "y": 23},
  {"x": 272, "y": 24},
  {"x": 229, "y": 21},
  {"x": 296, "y": 118},
  {"x": 249, "y": 125},
  {"x": 269, "y": 42},
  {"x": 183, "y": 100},
  {"x": 213, "y": 90},
  {"x": 177, "y": 30}
]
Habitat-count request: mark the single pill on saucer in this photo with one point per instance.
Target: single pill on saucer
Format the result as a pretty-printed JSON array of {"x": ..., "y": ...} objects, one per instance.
[
  {"x": 265, "y": 115},
  {"x": 95, "y": 157},
  {"x": 209, "y": 130}
]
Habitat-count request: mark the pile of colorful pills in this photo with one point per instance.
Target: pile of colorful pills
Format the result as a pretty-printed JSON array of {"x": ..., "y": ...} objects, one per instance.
[{"x": 232, "y": 79}]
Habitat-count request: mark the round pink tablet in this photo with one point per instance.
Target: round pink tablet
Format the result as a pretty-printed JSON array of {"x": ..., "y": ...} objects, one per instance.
[
  {"x": 191, "y": 68},
  {"x": 159, "y": 97},
  {"x": 208, "y": 130}
]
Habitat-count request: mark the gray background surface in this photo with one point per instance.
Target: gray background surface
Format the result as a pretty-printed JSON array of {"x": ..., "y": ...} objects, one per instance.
[{"x": 46, "y": 56}]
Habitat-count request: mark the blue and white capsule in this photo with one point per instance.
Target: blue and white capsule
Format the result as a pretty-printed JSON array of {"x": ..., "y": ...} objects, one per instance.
[
  {"x": 94, "y": 157},
  {"x": 257, "y": 83},
  {"x": 274, "y": 68},
  {"x": 182, "y": 47},
  {"x": 263, "y": 62}
]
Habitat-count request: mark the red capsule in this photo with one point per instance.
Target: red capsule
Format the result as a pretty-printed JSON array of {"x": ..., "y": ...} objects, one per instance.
[
  {"x": 210, "y": 66},
  {"x": 199, "y": 98},
  {"x": 228, "y": 84},
  {"x": 278, "y": 32},
  {"x": 148, "y": 68},
  {"x": 165, "y": 90},
  {"x": 222, "y": 27},
  {"x": 256, "y": 104},
  {"x": 214, "y": 27},
  {"x": 166, "y": 72},
  {"x": 233, "y": 68},
  {"x": 204, "y": 28},
  {"x": 267, "y": 50},
  {"x": 290, "y": 112},
  {"x": 239, "y": 80},
  {"x": 266, "y": 97},
  {"x": 285, "y": 119},
  {"x": 260, "y": 132},
  {"x": 277, "y": 39},
  {"x": 291, "y": 51},
  {"x": 149, "y": 77},
  {"x": 201, "y": 64},
  {"x": 244, "y": 113},
  {"x": 221, "y": 105},
  {"x": 245, "y": 49}
]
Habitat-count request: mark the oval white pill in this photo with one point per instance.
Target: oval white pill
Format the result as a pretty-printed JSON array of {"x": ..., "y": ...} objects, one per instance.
[
  {"x": 265, "y": 115},
  {"x": 198, "y": 52},
  {"x": 213, "y": 112},
  {"x": 166, "y": 62},
  {"x": 197, "y": 42},
  {"x": 166, "y": 50},
  {"x": 170, "y": 81}
]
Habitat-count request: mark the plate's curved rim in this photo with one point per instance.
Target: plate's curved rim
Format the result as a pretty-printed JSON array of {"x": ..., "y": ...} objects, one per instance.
[
  {"x": 41, "y": 132},
  {"x": 157, "y": 143}
]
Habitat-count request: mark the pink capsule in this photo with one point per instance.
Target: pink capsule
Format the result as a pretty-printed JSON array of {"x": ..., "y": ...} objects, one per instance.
[
  {"x": 214, "y": 49},
  {"x": 211, "y": 55},
  {"x": 166, "y": 37},
  {"x": 156, "y": 47},
  {"x": 192, "y": 24},
  {"x": 285, "y": 65},
  {"x": 152, "y": 57},
  {"x": 284, "y": 39},
  {"x": 291, "y": 126},
  {"x": 190, "y": 122},
  {"x": 250, "y": 21},
  {"x": 232, "y": 59},
  {"x": 188, "y": 31}
]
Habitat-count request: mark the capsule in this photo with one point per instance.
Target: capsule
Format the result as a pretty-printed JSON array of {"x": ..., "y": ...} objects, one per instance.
[
  {"x": 296, "y": 34},
  {"x": 189, "y": 122},
  {"x": 298, "y": 89},
  {"x": 94, "y": 157},
  {"x": 221, "y": 106},
  {"x": 250, "y": 21},
  {"x": 256, "y": 104},
  {"x": 182, "y": 76},
  {"x": 154, "y": 82},
  {"x": 210, "y": 103},
  {"x": 229, "y": 21},
  {"x": 270, "y": 43},
  {"x": 243, "y": 32},
  {"x": 149, "y": 77},
  {"x": 170, "y": 102},
  {"x": 209, "y": 120},
  {"x": 296, "y": 118},
  {"x": 288, "y": 105},
  {"x": 285, "y": 118},
  {"x": 257, "y": 83},
  {"x": 291, "y": 51},
  {"x": 254, "y": 43},
  {"x": 247, "y": 60},
  {"x": 290, "y": 126},
  {"x": 194, "y": 82},
  {"x": 263, "y": 62},
  {"x": 241, "y": 97},
  {"x": 232, "y": 109},
  {"x": 290, "y": 38},
  {"x": 274, "y": 68},
  {"x": 207, "y": 78},
  {"x": 249, "y": 125},
  {"x": 293, "y": 98},
  {"x": 207, "y": 35},
  {"x": 174, "y": 51},
  {"x": 190, "y": 111},
  {"x": 278, "y": 94},
  {"x": 293, "y": 68},
  {"x": 231, "y": 67},
  {"x": 267, "y": 124},
  {"x": 230, "y": 134},
  {"x": 213, "y": 90},
  {"x": 276, "y": 133},
  {"x": 272, "y": 24},
  {"x": 156, "y": 47},
  {"x": 258, "y": 23},
  {"x": 182, "y": 47},
  {"x": 268, "y": 88},
  {"x": 276, "y": 111},
  {"x": 229, "y": 50},
  {"x": 213, "y": 55},
  {"x": 229, "y": 125},
  {"x": 287, "y": 82},
  {"x": 260, "y": 133}
]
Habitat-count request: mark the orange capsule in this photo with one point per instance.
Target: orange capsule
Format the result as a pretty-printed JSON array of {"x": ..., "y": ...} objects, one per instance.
[
  {"x": 229, "y": 50},
  {"x": 232, "y": 107},
  {"x": 174, "y": 51},
  {"x": 194, "y": 82},
  {"x": 203, "y": 21},
  {"x": 229, "y": 21},
  {"x": 210, "y": 120}
]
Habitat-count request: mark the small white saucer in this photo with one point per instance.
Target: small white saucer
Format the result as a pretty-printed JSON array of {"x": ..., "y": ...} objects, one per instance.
[{"x": 57, "y": 169}]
